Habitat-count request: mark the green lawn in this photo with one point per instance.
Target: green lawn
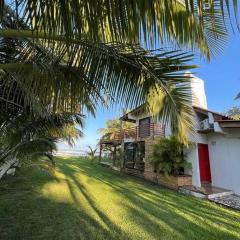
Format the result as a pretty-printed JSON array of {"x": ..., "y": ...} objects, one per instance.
[{"x": 86, "y": 201}]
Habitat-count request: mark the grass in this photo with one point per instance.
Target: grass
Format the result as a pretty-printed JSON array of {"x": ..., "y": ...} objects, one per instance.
[{"x": 86, "y": 201}]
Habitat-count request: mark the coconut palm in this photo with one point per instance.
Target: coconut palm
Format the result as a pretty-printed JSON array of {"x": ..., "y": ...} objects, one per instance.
[
  {"x": 188, "y": 22},
  {"x": 27, "y": 136},
  {"x": 114, "y": 127},
  {"x": 73, "y": 55}
]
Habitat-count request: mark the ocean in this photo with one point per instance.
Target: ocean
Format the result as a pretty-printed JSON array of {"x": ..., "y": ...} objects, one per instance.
[{"x": 70, "y": 152}]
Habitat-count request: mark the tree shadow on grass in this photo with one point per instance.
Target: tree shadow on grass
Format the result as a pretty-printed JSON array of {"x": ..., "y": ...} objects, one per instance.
[
  {"x": 160, "y": 213},
  {"x": 167, "y": 213},
  {"x": 25, "y": 213},
  {"x": 114, "y": 231},
  {"x": 35, "y": 217}
]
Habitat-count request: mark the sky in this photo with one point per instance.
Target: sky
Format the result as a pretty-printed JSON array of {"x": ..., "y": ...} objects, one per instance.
[{"x": 221, "y": 77}]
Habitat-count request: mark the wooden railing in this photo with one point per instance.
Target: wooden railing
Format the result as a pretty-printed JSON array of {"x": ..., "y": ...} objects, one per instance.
[
  {"x": 140, "y": 132},
  {"x": 150, "y": 130}
]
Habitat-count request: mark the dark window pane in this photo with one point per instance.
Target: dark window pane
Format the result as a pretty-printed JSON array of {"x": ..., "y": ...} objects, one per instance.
[{"x": 144, "y": 127}]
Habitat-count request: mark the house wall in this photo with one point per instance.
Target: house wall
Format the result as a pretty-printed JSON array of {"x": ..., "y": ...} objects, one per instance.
[
  {"x": 224, "y": 153},
  {"x": 141, "y": 116},
  {"x": 191, "y": 152},
  {"x": 224, "y": 147},
  {"x": 197, "y": 91},
  {"x": 192, "y": 157},
  {"x": 149, "y": 173}
]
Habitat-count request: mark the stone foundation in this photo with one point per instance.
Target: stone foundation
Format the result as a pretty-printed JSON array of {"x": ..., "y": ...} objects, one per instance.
[
  {"x": 149, "y": 173},
  {"x": 174, "y": 182}
]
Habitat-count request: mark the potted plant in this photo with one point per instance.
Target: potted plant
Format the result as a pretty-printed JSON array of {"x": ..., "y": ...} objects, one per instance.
[{"x": 169, "y": 161}]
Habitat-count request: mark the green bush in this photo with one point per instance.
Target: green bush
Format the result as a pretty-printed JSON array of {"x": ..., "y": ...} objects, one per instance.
[{"x": 168, "y": 157}]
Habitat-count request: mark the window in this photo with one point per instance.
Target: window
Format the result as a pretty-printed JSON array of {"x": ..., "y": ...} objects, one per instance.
[
  {"x": 134, "y": 154},
  {"x": 144, "y": 127}
]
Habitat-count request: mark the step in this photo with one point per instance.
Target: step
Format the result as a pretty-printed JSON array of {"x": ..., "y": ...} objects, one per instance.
[
  {"x": 221, "y": 194},
  {"x": 191, "y": 193},
  {"x": 206, "y": 192}
]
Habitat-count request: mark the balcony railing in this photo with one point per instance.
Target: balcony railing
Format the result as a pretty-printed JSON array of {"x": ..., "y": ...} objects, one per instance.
[
  {"x": 140, "y": 132},
  {"x": 150, "y": 130}
]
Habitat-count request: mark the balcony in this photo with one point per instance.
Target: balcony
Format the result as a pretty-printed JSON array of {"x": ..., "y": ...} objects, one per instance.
[
  {"x": 150, "y": 130},
  {"x": 139, "y": 132}
]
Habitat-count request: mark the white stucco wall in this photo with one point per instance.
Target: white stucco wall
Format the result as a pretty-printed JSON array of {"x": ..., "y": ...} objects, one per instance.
[
  {"x": 197, "y": 91},
  {"x": 141, "y": 116},
  {"x": 224, "y": 153},
  {"x": 192, "y": 157},
  {"x": 198, "y": 138}
]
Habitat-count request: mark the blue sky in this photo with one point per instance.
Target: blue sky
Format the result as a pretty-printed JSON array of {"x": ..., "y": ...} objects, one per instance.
[{"x": 221, "y": 77}]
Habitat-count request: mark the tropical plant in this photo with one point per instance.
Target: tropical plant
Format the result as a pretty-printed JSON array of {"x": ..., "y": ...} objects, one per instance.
[
  {"x": 30, "y": 137},
  {"x": 114, "y": 128},
  {"x": 73, "y": 55},
  {"x": 167, "y": 156},
  {"x": 91, "y": 153}
]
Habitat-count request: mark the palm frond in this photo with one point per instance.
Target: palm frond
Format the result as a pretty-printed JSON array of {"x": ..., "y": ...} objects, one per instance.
[
  {"x": 191, "y": 23},
  {"x": 121, "y": 71},
  {"x": 174, "y": 109},
  {"x": 55, "y": 126},
  {"x": 73, "y": 55}
]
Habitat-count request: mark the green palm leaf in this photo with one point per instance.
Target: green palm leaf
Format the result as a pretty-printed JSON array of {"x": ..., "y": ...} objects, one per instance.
[
  {"x": 191, "y": 23},
  {"x": 26, "y": 134},
  {"x": 123, "y": 72},
  {"x": 73, "y": 55}
]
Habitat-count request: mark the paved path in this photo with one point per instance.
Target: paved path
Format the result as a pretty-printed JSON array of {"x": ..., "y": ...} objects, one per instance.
[{"x": 232, "y": 201}]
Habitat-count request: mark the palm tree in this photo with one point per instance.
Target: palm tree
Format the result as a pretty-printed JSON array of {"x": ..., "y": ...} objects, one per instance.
[
  {"x": 30, "y": 128},
  {"x": 73, "y": 55},
  {"x": 92, "y": 152},
  {"x": 31, "y": 137},
  {"x": 114, "y": 127}
]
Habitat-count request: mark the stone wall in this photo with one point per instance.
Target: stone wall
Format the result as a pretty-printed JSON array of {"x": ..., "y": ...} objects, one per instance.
[
  {"x": 174, "y": 182},
  {"x": 149, "y": 173}
]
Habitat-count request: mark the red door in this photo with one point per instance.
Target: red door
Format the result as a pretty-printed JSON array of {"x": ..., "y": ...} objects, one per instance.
[{"x": 204, "y": 164}]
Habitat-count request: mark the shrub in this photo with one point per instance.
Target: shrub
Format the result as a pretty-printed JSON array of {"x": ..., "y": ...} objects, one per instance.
[{"x": 168, "y": 157}]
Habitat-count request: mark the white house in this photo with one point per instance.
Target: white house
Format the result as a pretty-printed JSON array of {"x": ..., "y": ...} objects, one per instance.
[{"x": 214, "y": 152}]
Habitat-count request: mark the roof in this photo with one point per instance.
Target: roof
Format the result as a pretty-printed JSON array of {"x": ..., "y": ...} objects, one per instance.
[
  {"x": 125, "y": 116},
  {"x": 199, "y": 109},
  {"x": 229, "y": 123},
  {"x": 228, "y": 120},
  {"x": 196, "y": 108}
]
